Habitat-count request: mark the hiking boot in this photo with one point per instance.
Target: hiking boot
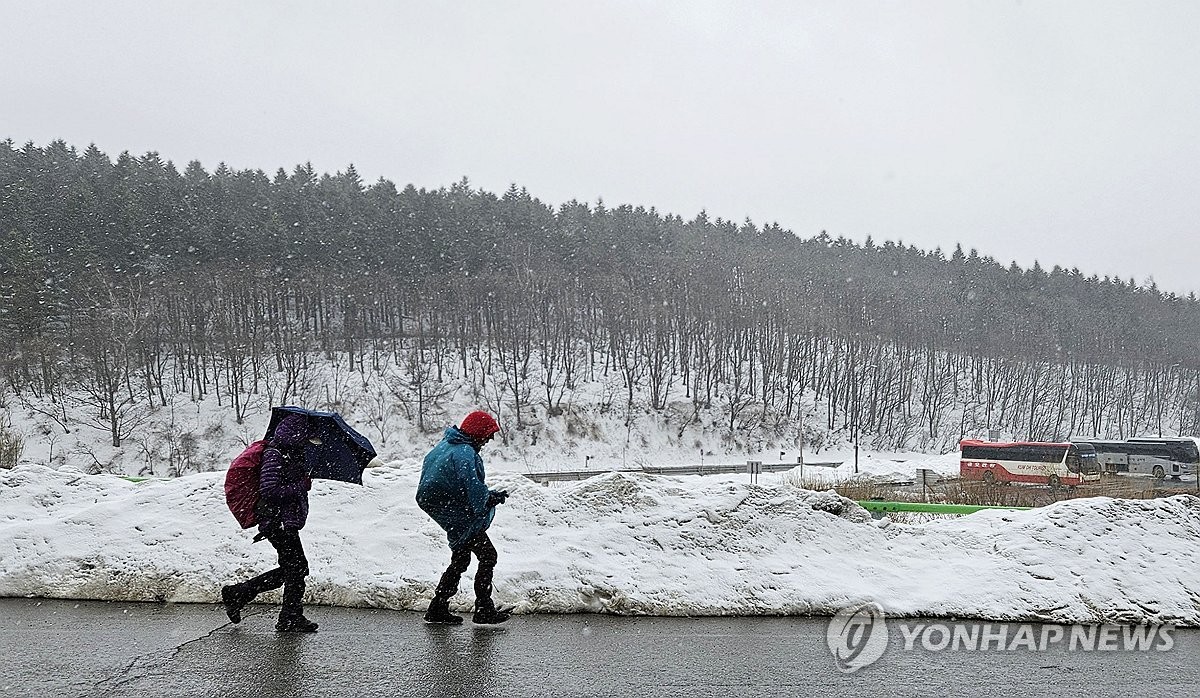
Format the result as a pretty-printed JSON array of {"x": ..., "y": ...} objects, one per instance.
[
  {"x": 295, "y": 624},
  {"x": 439, "y": 612},
  {"x": 488, "y": 614},
  {"x": 234, "y": 599}
]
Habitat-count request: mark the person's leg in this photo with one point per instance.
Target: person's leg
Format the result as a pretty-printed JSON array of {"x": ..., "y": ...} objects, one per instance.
[
  {"x": 485, "y": 609},
  {"x": 485, "y": 552},
  {"x": 294, "y": 565},
  {"x": 267, "y": 581},
  {"x": 447, "y": 587},
  {"x": 237, "y": 596}
]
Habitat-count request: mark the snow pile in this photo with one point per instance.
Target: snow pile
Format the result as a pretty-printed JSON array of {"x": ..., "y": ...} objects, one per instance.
[{"x": 619, "y": 543}]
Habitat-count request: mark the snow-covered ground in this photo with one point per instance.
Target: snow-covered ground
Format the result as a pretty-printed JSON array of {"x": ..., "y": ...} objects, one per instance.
[
  {"x": 618, "y": 542},
  {"x": 198, "y": 435}
]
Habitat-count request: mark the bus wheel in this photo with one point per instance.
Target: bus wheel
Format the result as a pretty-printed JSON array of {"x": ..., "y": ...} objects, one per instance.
[
  {"x": 989, "y": 477},
  {"x": 1158, "y": 472},
  {"x": 1054, "y": 482}
]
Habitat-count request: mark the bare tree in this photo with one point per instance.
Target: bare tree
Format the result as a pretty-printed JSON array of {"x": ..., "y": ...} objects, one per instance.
[
  {"x": 109, "y": 333},
  {"x": 511, "y": 332},
  {"x": 12, "y": 444},
  {"x": 416, "y": 385}
]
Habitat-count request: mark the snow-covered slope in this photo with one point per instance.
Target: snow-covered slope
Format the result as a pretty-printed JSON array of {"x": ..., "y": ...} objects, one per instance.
[{"x": 618, "y": 543}]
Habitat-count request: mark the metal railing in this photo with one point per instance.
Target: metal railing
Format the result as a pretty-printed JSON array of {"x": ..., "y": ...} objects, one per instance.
[{"x": 703, "y": 469}]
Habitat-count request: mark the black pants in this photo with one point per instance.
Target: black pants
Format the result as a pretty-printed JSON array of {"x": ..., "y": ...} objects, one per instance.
[
  {"x": 290, "y": 574},
  {"x": 460, "y": 557}
]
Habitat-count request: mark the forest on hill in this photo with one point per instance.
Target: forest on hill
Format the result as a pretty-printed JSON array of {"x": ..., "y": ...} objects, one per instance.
[{"x": 126, "y": 283}]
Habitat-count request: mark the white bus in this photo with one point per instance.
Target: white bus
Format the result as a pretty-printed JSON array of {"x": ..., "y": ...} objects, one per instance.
[
  {"x": 1052, "y": 464},
  {"x": 1159, "y": 456}
]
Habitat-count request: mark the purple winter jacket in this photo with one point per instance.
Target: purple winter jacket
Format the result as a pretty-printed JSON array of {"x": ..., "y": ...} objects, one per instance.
[{"x": 284, "y": 483}]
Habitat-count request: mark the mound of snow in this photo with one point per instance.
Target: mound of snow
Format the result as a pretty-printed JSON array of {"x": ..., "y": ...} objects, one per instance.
[{"x": 619, "y": 543}]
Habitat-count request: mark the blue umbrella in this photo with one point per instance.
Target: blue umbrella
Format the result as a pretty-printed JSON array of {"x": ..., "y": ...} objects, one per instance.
[{"x": 341, "y": 453}]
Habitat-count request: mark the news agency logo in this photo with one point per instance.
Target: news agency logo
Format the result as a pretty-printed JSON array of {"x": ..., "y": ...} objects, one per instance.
[{"x": 857, "y": 637}]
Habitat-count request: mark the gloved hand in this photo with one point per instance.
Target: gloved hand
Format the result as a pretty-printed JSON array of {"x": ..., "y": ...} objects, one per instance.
[{"x": 496, "y": 497}]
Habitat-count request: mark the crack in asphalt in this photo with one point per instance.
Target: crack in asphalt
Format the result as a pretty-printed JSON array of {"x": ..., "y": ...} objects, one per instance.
[{"x": 123, "y": 677}]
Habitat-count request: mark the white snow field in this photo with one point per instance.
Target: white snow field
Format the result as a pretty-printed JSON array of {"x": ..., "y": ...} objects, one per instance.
[{"x": 616, "y": 543}]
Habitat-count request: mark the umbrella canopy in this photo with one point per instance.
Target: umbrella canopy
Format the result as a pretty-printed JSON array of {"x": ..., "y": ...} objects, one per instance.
[{"x": 341, "y": 453}]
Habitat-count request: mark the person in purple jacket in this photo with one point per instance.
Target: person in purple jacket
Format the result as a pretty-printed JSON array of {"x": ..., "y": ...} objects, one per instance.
[{"x": 282, "y": 511}]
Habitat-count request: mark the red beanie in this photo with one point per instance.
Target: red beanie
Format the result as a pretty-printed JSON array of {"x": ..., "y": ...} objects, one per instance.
[{"x": 479, "y": 425}]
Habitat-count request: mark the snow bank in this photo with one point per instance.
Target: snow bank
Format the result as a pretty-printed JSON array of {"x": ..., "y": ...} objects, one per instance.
[{"x": 617, "y": 543}]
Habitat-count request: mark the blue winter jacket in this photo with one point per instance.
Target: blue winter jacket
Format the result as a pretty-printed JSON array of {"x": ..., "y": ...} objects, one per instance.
[
  {"x": 283, "y": 482},
  {"x": 452, "y": 490}
]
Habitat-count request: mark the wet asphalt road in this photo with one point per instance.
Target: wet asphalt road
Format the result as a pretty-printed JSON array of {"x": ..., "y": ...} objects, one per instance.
[{"x": 68, "y": 648}]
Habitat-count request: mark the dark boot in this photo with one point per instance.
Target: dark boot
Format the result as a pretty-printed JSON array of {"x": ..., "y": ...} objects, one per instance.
[
  {"x": 486, "y": 613},
  {"x": 291, "y": 616},
  {"x": 235, "y": 597},
  {"x": 439, "y": 612},
  {"x": 295, "y": 624}
]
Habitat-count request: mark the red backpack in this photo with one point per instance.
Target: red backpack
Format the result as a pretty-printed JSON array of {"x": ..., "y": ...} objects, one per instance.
[{"x": 241, "y": 484}]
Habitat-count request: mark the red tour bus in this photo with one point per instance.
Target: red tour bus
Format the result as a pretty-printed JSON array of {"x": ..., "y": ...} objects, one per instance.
[{"x": 1051, "y": 464}]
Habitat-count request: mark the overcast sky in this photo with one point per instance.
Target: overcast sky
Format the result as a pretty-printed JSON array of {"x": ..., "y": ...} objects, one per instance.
[{"x": 1067, "y": 132}]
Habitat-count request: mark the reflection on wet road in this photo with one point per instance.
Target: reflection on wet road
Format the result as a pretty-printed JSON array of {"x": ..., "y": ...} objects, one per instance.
[{"x": 68, "y": 648}]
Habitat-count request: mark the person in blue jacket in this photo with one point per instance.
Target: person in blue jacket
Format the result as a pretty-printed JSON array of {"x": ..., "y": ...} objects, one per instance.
[
  {"x": 453, "y": 493},
  {"x": 282, "y": 511}
]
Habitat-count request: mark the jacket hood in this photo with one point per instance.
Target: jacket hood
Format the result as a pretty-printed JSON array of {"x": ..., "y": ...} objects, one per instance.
[
  {"x": 291, "y": 431},
  {"x": 456, "y": 436}
]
